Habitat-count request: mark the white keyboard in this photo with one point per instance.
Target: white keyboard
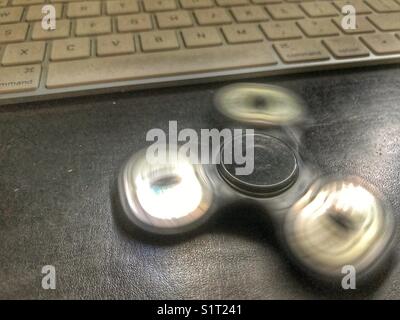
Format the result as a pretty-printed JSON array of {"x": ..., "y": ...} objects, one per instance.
[{"x": 103, "y": 46}]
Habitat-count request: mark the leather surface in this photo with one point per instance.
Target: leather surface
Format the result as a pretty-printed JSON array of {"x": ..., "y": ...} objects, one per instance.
[{"x": 58, "y": 164}]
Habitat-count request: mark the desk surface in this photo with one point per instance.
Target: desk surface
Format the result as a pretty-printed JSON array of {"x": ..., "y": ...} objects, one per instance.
[{"x": 59, "y": 159}]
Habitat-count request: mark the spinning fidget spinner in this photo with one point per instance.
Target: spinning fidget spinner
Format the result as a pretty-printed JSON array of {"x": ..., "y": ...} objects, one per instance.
[{"x": 325, "y": 223}]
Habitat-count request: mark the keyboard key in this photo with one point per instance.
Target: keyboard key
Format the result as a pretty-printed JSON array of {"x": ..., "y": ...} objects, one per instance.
[
  {"x": 359, "y": 6},
  {"x": 173, "y": 19},
  {"x": 213, "y": 16},
  {"x": 159, "y": 40},
  {"x": 266, "y": 1},
  {"x": 319, "y": 9},
  {"x": 35, "y": 12},
  {"x": 93, "y": 26},
  {"x": 281, "y": 30},
  {"x": 9, "y": 15},
  {"x": 386, "y": 22},
  {"x": 318, "y": 28},
  {"x": 115, "y": 44},
  {"x": 362, "y": 26},
  {"x": 382, "y": 43},
  {"x": 285, "y": 11},
  {"x": 346, "y": 47},
  {"x": 159, "y": 5},
  {"x": 134, "y": 22},
  {"x": 201, "y": 37},
  {"x": 62, "y": 30},
  {"x": 158, "y": 64},
  {"x": 383, "y": 6},
  {"x": 249, "y": 14},
  {"x": 115, "y": 7},
  {"x": 74, "y": 48},
  {"x": 83, "y": 9},
  {"x": 18, "y": 79},
  {"x": 301, "y": 51},
  {"x": 24, "y": 53},
  {"x": 13, "y": 32},
  {"x": 196, "y": 4},
  {"x": 26, "y": 2},
  {"x": 231, "y": 3},
  {"x": 242, "y": 33}
]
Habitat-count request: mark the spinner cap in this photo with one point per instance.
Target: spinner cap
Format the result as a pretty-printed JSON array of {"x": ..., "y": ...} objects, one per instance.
[{"x": 274, "y": 165}]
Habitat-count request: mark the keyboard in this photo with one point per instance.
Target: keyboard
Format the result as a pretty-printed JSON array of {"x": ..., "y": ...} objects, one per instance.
[{"x": 119, "y": 45}]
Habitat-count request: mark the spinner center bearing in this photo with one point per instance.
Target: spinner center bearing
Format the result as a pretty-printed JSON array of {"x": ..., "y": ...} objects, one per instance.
[{"x": 275, "y": 166}]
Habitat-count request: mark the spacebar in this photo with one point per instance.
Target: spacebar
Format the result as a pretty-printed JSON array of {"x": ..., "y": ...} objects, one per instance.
[{"x": 159, "y": 64}]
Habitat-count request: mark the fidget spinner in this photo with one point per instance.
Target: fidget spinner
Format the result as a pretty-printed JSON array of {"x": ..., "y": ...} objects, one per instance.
[{"x": 324, "y": 223}]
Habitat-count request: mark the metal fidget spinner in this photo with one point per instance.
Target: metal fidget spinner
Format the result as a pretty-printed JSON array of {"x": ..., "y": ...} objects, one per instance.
[{"x": 326, "y": 223}]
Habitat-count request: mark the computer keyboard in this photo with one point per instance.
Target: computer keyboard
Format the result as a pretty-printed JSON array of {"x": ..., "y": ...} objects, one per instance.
[{"x": 102, "y": 46}]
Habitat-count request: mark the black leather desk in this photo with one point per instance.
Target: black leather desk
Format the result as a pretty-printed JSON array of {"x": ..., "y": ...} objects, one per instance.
[{"x": 58, "y": 160}]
